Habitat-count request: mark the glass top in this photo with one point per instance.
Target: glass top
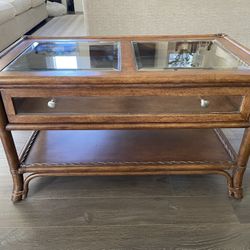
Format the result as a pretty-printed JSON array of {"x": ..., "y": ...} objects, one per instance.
[
  {"x": 68, "y": 55},
  {"x": 199, "y": 54}
]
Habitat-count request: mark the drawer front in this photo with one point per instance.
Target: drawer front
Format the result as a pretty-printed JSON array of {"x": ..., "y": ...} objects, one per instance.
[
  {"x": 134, "y": 109},
  {"x": 128, "y": 105}
]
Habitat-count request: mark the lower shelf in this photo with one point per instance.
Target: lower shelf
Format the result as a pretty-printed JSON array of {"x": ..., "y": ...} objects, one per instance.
[{"x": 127, "y": 150}]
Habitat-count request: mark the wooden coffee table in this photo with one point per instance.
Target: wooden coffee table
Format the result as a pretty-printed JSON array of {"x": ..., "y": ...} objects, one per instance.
[{"x": 150, "y": 105}]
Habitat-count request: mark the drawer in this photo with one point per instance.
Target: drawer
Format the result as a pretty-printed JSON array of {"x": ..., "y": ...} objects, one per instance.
[{"x": 110, "y": 109}]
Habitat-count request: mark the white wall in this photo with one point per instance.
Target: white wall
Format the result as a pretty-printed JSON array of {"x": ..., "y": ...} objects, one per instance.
[{"x": 125, "y": 17}]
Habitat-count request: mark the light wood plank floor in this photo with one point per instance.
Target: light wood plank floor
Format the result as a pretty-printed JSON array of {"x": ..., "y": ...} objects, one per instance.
[
  {"x": 68, "y": 25},
  {"x": 147, "y": 212}
]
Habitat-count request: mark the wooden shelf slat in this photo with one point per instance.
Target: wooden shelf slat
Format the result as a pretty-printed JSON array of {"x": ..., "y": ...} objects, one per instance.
[{"x": 96, "y": 150}]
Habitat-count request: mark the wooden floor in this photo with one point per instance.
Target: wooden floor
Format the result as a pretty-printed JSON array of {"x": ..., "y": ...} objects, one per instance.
[
  {"x": 68, "y": 26},
  {"x": 121, "y": 213}
]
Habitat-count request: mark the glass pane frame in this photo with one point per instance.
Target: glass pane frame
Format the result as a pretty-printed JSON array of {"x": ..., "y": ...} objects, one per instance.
[
  {"x": 139, "y": 65},
  {"x": 30, "y": 49}
]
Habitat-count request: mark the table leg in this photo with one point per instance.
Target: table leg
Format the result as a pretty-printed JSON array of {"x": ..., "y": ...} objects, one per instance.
[
  {"x": 11, "y": 155},
  {"x": 241, "y": 164}
]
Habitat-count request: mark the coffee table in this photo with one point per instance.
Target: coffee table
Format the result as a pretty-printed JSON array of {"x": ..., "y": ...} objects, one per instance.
[{"x": 139, "y": 105}]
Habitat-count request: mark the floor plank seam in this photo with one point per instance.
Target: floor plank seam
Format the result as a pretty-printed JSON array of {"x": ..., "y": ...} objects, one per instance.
[
  {"x": 131, "y": 197},
  {"x": 129, "y": 225}
]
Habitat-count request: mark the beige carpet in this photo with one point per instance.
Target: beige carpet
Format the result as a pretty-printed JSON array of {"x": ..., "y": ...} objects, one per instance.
[{"x": 68, "y": 25}]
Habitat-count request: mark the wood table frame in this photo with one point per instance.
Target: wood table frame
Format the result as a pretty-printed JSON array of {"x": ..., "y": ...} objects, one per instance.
[{"x": 127, "y": 82}]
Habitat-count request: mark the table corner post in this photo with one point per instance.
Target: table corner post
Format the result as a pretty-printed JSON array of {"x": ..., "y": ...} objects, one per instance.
[
  {"x": 242, "y": 160},
  {"x": 11, "y": 155}
]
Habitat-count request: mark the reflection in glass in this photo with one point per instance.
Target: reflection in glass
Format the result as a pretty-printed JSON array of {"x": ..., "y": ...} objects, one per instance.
[
  {"x": 68, "y": 55},
  {"x": 126, "y": 105},
  {"x": 64, "y": 62},
  {"x": 185, "y": 54}
]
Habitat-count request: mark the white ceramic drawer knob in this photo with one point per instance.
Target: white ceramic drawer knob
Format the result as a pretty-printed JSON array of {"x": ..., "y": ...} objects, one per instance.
[
  {"x": 204, "y": 103},
  {"x": 52, "y": 104}
]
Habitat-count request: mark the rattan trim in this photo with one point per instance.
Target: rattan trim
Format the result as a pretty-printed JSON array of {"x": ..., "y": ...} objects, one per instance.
[{"x": 226, "y": 144}]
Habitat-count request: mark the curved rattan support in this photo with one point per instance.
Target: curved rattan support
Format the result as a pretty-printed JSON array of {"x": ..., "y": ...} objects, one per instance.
[
  {"x": 229, "y": 178},
  {"x": 26, "y": 183}
]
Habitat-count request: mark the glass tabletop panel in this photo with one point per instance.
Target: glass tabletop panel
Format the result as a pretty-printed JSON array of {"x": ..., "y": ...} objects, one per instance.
[
  {"x": 68, "y": 55},
  {"x": 200, "y": 54}
]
